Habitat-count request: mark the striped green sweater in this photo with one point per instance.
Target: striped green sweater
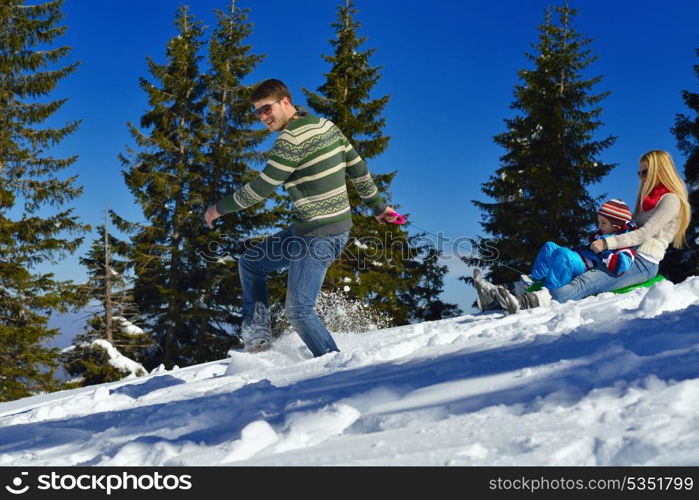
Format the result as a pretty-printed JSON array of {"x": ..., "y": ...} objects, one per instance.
[{"x": 311, "y": 157}]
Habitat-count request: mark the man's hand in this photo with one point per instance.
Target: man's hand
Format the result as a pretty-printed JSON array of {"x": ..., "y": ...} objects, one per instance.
[
  {"x": 388, "y": 215},
  {"x": 211, "y": 215},
  {"x": 598, "y": 246}
]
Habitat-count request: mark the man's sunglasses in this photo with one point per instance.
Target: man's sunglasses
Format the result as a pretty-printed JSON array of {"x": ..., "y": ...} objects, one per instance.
[{"x": 265, "y": 109}]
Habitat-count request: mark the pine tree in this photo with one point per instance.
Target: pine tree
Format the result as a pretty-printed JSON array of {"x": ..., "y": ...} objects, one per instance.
[
  {"x": 90, "y": 364},
  {"x": 167, "y": 177},
  {"x": 373, "y": 260},
  {"x": 107, "y": 284},
  {"x": 231, "y": 154},
  {"x": 540, "y": 190},
  {"x": 34, "y": 225},
  {"x": 678, "y": 264},
  {"x": 113, "y": 314}
]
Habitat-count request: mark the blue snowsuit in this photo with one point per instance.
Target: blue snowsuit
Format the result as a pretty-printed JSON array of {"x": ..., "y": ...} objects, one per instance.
[{"x": 557, "y": 266}]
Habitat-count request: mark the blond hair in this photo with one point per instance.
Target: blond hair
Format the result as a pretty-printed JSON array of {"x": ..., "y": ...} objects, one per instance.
[{"x": 661, "y": 170}]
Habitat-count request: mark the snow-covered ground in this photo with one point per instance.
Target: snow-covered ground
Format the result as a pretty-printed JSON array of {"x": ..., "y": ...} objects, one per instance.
[{"x": 610, "y": 380}]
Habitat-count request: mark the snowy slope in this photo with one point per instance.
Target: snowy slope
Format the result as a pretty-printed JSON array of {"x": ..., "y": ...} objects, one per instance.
[{"x": 610, "y": 380}]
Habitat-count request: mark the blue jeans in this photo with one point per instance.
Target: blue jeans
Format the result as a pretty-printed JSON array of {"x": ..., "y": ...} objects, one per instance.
[
  {"x": 308, "y": 259},
  {"x": 599, "y": 280}
]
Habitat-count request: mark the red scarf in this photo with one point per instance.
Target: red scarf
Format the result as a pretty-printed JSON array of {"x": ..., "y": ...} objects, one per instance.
[{"x": 653, "y": 197}]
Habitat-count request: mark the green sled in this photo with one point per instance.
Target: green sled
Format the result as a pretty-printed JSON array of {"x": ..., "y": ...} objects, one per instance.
[{"x": 658, "y": 278}]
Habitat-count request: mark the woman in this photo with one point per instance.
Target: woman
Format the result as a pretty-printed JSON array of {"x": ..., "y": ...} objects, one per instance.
[{"x": 662, "y": 214}]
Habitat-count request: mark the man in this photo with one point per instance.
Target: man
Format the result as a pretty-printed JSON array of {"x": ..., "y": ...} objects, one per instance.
[{"x": 310, "y": 157}]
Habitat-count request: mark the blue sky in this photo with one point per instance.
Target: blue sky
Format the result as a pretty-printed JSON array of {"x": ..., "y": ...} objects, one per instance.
[{"x": 450, "y": 70}]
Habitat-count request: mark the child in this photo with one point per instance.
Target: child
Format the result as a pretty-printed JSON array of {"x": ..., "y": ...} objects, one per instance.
[{"x": 556, "y": 266}]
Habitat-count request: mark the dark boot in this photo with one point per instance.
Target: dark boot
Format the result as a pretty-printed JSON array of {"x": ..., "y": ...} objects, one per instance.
[
  {"x": 487, "y": 298},
  {"x": 507, "y": 301},
  {"x": 256, "y": 331},
  {"x": 512, "y": 304}
]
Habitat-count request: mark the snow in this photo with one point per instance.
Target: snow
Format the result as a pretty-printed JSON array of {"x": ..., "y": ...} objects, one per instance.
[
  {"x": 127, "y": 327},
  {"x": 361, "y": 245},
  {"x": 609, "y": 380},
  {"x": 225, "y": 259},
  {"x": 119, "y": 361}
]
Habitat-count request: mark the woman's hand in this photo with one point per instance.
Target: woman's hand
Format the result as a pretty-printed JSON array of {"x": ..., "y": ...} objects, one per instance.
[{"x": 598, "y": 246}]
